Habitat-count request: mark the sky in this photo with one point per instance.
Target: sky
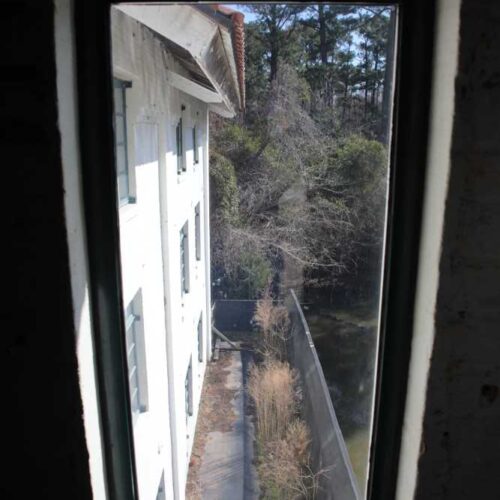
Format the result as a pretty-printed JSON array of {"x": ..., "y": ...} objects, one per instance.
[{"x": 249, "y": 17}]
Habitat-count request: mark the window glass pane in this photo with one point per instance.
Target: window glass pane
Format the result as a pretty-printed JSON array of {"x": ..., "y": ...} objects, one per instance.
[
  {"x": 200, "y": 340},
  {"x": 182, "y": 263},
  {"x": 118, "y": 98},
  {"x": 297, "y": 122},
  {"x": 120, "y": 129},
  {"x": 188, "y": 390},
  {"x": 195, "y": 145},
  {"x": 123, "y": 187},
  {"x": 184, "y": 259},
  {"x": 121, "y": 160},
  {"x": 197, "y": 228},
  {"x": 179, "y": 147},
  {"x": 303, "y": 205}
]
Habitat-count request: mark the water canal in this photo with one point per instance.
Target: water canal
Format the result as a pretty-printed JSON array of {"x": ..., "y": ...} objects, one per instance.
[{"x": 345, "y": 340}]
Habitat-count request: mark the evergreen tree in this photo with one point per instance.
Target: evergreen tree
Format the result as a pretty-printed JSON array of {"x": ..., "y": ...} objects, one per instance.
[{"x": 315, "y": 128}]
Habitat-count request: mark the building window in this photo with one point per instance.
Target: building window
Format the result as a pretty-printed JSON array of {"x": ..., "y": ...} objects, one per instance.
[
  {"x": 184, "y": 259},
  {"x": 181, "y": 164},
  {"x": 196, "y": 158},
  {"x": 178, "y": 139},
  {"x": 121, "y": 146},
  {"x": 188, "y": 389},
  {"x": 200, "y": 338},
  {"x": 197, "y": 230},
  {"x": 136, "y": 362}
]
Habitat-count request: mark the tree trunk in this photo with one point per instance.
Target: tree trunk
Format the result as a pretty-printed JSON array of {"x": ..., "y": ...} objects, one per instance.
[
  {"x": 274, "y": 44},
  {"x": 274, "y": 61},
  {"x": 323, "y": 49},
  {"x": 365, "y": 110}
]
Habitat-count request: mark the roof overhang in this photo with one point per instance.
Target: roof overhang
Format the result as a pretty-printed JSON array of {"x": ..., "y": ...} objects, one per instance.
[{"x": 201, "y": 39}]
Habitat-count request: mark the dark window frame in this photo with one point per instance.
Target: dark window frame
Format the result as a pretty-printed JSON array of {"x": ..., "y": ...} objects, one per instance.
[
  {"x": 188, "y": 390},
  {"x": 196, "y": 153},
  {"x": 179, "y": 147},
  {"x": 200, "y": 339},
  {"x": 408, "y": 155},
  {"x": 184, "y": 258},
  {"x": 123, "y": 85},
  {"x": 197, "y": 230}
]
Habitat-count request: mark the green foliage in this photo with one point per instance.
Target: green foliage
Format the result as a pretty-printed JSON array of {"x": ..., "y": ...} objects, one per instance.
[
  {"x": 256, "y": 70},
  {"x": 253, "y": 273},
  {"x": 236, "y": 142},
  {"x": 362, "y": 162},
  {"x": 276, "y": 23},
  {"x": 223, "y": 189},
  {"x": 342, "y": 51}
]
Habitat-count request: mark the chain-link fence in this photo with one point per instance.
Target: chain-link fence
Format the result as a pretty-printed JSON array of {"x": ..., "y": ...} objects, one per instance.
[{"x": 329, "y": 456}]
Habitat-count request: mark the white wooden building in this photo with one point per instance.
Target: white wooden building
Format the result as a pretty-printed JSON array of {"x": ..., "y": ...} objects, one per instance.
[{"x": 172, "y": 65}]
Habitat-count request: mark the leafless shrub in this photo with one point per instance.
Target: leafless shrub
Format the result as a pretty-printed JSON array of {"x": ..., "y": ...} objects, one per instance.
[
  {"x": 279, "y": 471},
  {"x": 298, "y": 438},
  {"x": 264, "y": 312},
  {"x": 271, "y": 387},
  {"x": 284, "y": 467},
  {"x": 282, "y": 437},
  {"x": 274, "y": 324}
]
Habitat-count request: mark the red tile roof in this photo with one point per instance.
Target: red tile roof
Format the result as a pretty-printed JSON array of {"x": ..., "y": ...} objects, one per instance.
[{"x": 238, "y": 33}]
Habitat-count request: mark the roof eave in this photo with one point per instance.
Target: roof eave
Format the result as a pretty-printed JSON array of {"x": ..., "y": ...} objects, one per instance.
[{"x": 206, "y": 39}]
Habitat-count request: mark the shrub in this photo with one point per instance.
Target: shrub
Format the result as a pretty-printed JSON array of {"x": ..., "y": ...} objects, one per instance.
[
  {"x": 298, "y": 438},
  {"x": 271, "y": 387},
  {"x": 223, "y": 189},
  {"x": 282, "y": 438},
  {"x": 254, "y": 272},
  {"x": 235, "y": 141},
  {"x": 363, "y": 165},
  {"x": 279, "y": 471},
  {"x": 274, "y": 325}
]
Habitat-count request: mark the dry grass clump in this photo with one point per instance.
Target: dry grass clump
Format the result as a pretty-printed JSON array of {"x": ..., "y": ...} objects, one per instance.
[
  {"x": 279, "y": 471},
  {"x": 282, "y": 437},
  {"x": 271, "y": 387},
  {"x": 274, "y": 325},
  {"x": 284, "y": 466},
  {"x": 297, "y": 436}
]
